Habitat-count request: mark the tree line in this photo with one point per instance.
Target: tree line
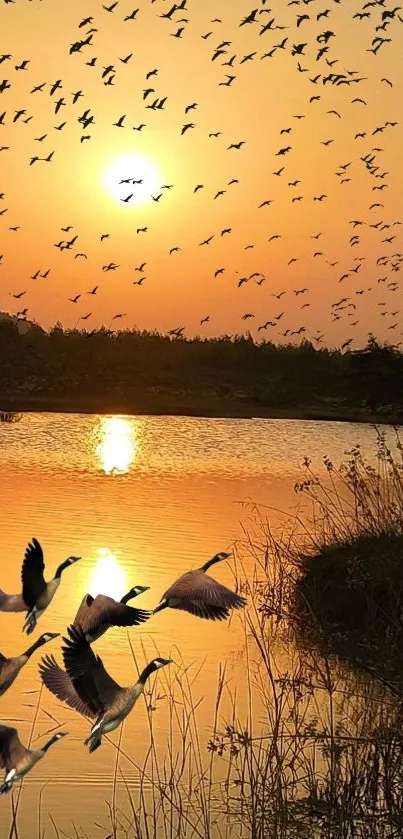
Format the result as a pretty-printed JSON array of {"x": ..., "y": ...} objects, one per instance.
[{"x": 135, "y": 369}]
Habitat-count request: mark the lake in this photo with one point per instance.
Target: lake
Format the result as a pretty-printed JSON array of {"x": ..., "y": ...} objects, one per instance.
[{"x": 141, "y": 500}]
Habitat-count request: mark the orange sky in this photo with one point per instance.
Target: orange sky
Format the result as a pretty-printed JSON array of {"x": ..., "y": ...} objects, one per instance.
[{"x": 180, "y": 289}]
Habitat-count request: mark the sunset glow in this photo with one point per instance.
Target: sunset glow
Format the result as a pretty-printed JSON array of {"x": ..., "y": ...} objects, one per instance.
[
  {"x": 117, "y": 447},
  {"x": 134, "y": 168},
  {"x": 108, "y": 576},
  {"x": 268, "y": 164}
]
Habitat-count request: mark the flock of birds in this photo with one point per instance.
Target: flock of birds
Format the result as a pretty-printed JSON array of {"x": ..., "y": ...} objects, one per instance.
[
  {"x": 85, "y": 685},
  {"x": 315, "y": 60}
]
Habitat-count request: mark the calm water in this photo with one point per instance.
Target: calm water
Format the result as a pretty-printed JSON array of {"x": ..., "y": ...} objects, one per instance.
[{"x": 141, "y": 500}]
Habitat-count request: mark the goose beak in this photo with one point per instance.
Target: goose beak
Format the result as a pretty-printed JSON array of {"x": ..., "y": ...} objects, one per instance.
[{"x": 167, "y": 661}]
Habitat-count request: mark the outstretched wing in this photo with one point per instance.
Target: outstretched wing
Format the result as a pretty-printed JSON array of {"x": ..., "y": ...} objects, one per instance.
[
  {"x": 203, "y": 610},
  {"x": 11, "y": 748},
  {"x": 93, "y": 684},
  {"x": 33, "y": 583},
  {"x": 59, "y": 683},
  {"x": 107, "y": 612},
  {"x": 200, "y": 588}
]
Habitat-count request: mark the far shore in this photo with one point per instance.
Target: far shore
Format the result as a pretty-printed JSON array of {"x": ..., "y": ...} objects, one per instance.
[{"x": 217, "y": 408}]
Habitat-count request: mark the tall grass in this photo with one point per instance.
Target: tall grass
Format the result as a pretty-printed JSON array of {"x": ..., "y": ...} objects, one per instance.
[
  {"x": 348, "y": 572},
  {"x": 303, "y": 745}
]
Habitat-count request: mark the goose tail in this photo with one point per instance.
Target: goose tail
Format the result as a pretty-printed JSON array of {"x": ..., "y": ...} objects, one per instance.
[{"x": 11, "y": 602}]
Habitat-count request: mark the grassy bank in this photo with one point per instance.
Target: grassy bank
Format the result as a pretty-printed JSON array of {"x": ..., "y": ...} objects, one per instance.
[
  {"x": 349, "y": 593},
  {"x": 304, "y": 745}
]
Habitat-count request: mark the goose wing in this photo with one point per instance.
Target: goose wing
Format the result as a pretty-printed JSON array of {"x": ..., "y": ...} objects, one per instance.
[
  {"x": 203, "y": 610},
  {"x": 59, "y": 683},
  {"x": 33, "y": 583},
  {"x": 11, "y": 748},
  {"x": 94, "y": 686},
  {"x": 106, "y": 612},
  {"x": 83, "y": 612},
  {"x": 198, "y": 587}
]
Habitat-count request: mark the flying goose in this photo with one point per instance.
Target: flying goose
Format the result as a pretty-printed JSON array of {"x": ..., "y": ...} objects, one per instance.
[
  {"x": 89, "y": 689},
  {"x": 96, "y": 615},
  {"x": 200, "y": 595},
  {"x": 36, "y": 593},
  {"x": 16, "y": 759},
  {"x": 10, "y": 667}
]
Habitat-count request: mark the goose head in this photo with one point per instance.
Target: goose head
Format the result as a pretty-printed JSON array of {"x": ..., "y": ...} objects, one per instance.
[
  {"x": 134, "y": 592},
  {"x": 161, "y": 662},
  {"x": 47, "y": 636},
  {"x": 53, "y": 740},
  {"x": 67, "y": 562},
  {"x": 216, "y": 558},
  {"x": 153, "y": 665}
]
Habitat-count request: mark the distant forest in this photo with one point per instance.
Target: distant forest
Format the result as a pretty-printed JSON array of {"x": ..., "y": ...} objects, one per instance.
[{"x": 146, "y": 372}]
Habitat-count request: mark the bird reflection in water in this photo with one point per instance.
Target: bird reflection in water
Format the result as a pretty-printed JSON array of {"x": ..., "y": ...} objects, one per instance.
[
  {"x": 117, "y": 445},
  {"x": 108, "y": 576}
]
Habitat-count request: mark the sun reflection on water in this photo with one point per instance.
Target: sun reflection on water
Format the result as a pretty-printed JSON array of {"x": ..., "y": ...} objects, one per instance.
[
  {"x": 108, "y": 576},
  {"x": 118, "y": 445}
]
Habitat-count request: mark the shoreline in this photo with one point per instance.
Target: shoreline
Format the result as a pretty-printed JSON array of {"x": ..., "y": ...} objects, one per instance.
[{"x": 218, "y": 409}]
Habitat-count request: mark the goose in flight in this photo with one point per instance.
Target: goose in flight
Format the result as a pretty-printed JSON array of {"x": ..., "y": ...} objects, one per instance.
[
  {"x": 87, "y": 687},
  {"x": 16, "y": 759},
  {"x": 96, "y": 615},
  {"x": 10, "y": 667},
  {"x": 201, "y": 595},
  {"x": 36, "y": 593}
]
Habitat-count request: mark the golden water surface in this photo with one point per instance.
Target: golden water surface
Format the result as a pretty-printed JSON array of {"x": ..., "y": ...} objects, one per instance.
[{"x": 141, "y": 500}]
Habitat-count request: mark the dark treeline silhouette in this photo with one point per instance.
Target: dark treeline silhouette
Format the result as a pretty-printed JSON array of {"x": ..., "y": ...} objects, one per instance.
[{"x": 132, "y": 371}]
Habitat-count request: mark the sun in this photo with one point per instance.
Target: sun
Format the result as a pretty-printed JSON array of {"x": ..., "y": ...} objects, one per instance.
[
  {"x": 129, "y": 168},
  {"x": 108, "y": 575},
  {"x": 117, "y": 447}
]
